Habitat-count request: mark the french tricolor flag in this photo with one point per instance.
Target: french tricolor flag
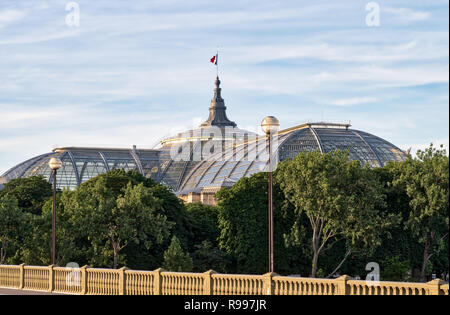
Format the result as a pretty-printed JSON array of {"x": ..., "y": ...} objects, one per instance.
[{"x": 214, "y": 59}]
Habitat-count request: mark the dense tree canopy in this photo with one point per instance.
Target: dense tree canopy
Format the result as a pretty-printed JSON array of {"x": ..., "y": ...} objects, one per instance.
[
  {"x": 13, "y": 225},
  {"x": 331, "y": 216},
  {"x": 31, "y": 193},
  {"x": 426, "y": 179},
  {"x": 175, "y": 259},
  {"x": 111, "y": 222},
  {"x": 243, "y": 221},
  {"x": 339, "y": 197},
  {"x": 203, "y": 238}
]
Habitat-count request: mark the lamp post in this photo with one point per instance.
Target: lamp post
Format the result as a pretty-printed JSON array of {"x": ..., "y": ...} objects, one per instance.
[
  {"x": 270, "y": 125},
  {"x": 54, "y": 164}
]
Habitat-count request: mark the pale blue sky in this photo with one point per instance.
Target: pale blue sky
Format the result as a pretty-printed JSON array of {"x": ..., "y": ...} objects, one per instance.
[{"x": 136, "y": 71}]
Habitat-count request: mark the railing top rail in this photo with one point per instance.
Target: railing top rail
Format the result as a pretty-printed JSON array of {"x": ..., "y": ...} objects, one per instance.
[
  {"x": 139, "y": 271},
  {"x": 181, "y": 274},
  {"x": 102, "y": 270},
  {"x": 237, "y": 276},
  {"x": 65, "y": 268},
  {"x": 35, "y": 268},
  {"x": 10, "y": 266},
  {"x": 387, "y": 283},
  {"x": 303, "y": 279}
]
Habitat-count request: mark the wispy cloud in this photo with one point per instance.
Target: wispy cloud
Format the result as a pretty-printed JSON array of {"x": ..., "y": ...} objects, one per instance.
[
  {"x": 354, "y": 101},
  {"x": 406, "y": 15},
  {"x": 8, "y": 16},
  {"x": 38, "y": 38}
]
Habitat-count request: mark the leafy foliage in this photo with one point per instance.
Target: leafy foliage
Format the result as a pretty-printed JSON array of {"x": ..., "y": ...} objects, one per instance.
[
  {"x": 31, "y": 193},
  {"x": 339, "y": 197},
  {"x": 426, "y": 179},
  {"x": 207, "y": 256},
  {"x": 243, "y": 221},
  {"x": 175, "y": 259},
  {"x": 13, "y": 224},
  {"x": 203, "y": 223},
  {"x": 395, "y": 269},
  {"x": 203, "y": 238},
  {"x": 111, "y": 222}
]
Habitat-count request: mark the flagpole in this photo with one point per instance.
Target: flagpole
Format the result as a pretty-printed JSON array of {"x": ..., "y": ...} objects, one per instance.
[{"x": 217, "y": 62}]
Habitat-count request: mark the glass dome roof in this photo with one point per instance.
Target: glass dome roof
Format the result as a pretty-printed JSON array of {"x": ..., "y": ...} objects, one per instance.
[
  {"x": 81, "y": 164},
  {"x": 182, "y": 153},
  {"x": 193, "y": 163},
  {"x": 251, "y": 157}
]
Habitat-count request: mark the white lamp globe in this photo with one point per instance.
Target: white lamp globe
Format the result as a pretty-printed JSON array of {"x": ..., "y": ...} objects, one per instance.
[
  {"x": 270, "y": 124},
  {"x": 55, "y": 164}
]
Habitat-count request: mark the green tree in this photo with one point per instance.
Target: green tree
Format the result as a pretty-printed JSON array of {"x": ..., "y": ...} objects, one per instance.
[
  {"x": 36, "y": 248},
  {"x": 111, "y": 222},
  {"x": 426, "y": 179},
  {"x": 175, "y": 259},
  {"x": 169, "y": 205},
  {"x": 202, "y": 223},
  {"x": 203, "y": 242},
  {"x": 103, "y": 203},
  {"x": 394, "y": 269},
  {"x": 243, "y": 223},
  {"x": 31, "y": 192},
  {"x": 340, "y": 199},
  {"x": 174, "y": 209},
  {"x": 399, "y": 242},
  {"x": 70, "y": 244},
  {"x": 207, "y": 256},
  {"x": 13, "y": 224},
  {"x": 117, "y": 180}
]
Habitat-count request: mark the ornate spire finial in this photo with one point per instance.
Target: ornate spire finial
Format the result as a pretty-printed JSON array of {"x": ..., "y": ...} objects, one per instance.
[
  {"x": 217, "y": 110},
  {"x": 217, "y": 93}
]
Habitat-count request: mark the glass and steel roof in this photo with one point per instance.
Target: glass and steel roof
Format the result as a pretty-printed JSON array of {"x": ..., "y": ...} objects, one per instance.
[
  {"x": 81, "y": 164},
  {"x": 196, "y": 163},
  {"x": 182, "y": 153},
  {"x": 252, "y": 156}
]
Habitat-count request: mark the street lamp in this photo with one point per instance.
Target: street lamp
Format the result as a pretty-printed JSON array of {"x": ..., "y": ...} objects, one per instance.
[
  {"x": 55, "y": 164},
  {"x": 270, "y": 125}
]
